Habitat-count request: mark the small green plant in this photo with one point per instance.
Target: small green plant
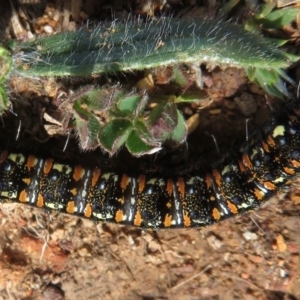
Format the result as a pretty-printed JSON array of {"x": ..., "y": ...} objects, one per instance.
[
  {"x": 126, "y": 121},
  {"x": 269, "y": 19}
]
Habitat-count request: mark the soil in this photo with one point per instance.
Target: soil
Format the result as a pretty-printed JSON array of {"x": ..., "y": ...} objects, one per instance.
[{"x": 55, "y": 256}]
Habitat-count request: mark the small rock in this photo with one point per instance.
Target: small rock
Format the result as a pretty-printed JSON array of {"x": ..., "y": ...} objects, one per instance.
[
  {"x": 250, "y": 236},
  {"x": 246, "y": 104},
  {"x": 52, "y": 292}
]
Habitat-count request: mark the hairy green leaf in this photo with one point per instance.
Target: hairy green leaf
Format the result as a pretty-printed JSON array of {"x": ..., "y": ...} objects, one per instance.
[
  {"x": 87, "y": 127},
  {"x": 114, "y": 134},
  {"x": 179, "y": 133},
  {"x": 138, "y": 146}
]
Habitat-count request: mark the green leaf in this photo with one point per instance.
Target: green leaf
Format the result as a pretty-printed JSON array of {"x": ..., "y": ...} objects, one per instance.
[
  {"x": 292, "y": 57},
  {"x": 188, "y": 98},
  {"x": 139, "y": 125},
  {"x": 265, "y": 10},
  {"x": 138, "y": 146},
  {"x": 128, "y": 104},
  {"x": 87, "y": 127},
  {"x": 3, "y": 100},
  {"x": 99, "y": 99},
  {"x": 114, "y": 134},
  {"x": 157, "y": 112},
  {"x": 179, "y": 77},
  {"x": 279, "y": 18},
  {"x": 80, "y": 95},
  {"x": 4, "y": 52},
  {"x": 162, "y": 120},
  {"x": 141, "y": 105},
  {"x": 270, "y": 80},
  {"x": 269, "y": 19},
  {"x": 179, "y": 134},
  {"x": 278, "y": 42},
  {"x": 251, "y": 25},
  {"x": 5, "y": 63},
  {"x": 226, "y": 8},
  {"x": 276, "y": 90}
]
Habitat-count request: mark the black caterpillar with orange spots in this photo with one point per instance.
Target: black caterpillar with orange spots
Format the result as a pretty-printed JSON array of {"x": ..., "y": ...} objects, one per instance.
[{"x": 193, "y": 196}]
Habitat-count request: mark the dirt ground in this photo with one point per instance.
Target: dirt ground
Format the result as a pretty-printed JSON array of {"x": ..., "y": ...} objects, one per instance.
[
  {"x": 255, "y": 256},
  {"x": 52, "y": 257}
]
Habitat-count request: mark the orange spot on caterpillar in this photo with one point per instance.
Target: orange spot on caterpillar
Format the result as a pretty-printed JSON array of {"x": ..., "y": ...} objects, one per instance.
[
  {"x": 78, "y": 172},
  {"x": 40, "y": 201},
  {"x": 73, "y": 191},
  {"x": 31, "y": 161},
  {"x": 232, "y": 207},
  {"x": 23, "y": 196},
  {"x": 95, "y": 177},
  {"x": 169, "y": 187},
  {"x": 88, "y": 210},
  {"x": 119, "y": 216},
  {"x": 124, "y": 181},
  {"x": 26, "y": 180},
  {"x": 48, "y": 165},
  {"x": 259, "y": 195},
  {"x": 169, "y": 205},
  {"x": 186, "y": 220},
  {"x": 216, "y": 214},
  {"x": 142, "y": 182},
  {"x": 181, "y": 186},
  {"x": 295, "y": 163},
  {"x": 269, "y": 185},
  {"x": 168, "y": 220},
  {"x": 217, "y": 177},
  {"x": 271, "y": 141},
  {"x": 208, "y": 180},
  {"x": 121, "y": 200},
  {"x": 70, "y": 207},
  {"x": 289, "y": 170},
  {"x": 242, "y": 166},
  {"x": 247, "y": 162},
  {"x": 265, "y": 146},
  {"x": 138, "y": 219}
]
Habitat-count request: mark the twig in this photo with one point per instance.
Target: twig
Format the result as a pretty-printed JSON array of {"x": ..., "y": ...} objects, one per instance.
[{"x": 193, "y": 277}]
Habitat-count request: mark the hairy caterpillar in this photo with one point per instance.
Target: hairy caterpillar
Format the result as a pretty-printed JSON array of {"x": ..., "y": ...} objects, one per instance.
[
  {"x": 138, "y": 45},
  {"x": 192, "y": 197}
]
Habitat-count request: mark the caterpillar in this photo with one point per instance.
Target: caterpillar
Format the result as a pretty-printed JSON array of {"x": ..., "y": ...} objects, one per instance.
[
  {"x": 138, "y": 45},
  {"x": 193, "y": 196}
]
